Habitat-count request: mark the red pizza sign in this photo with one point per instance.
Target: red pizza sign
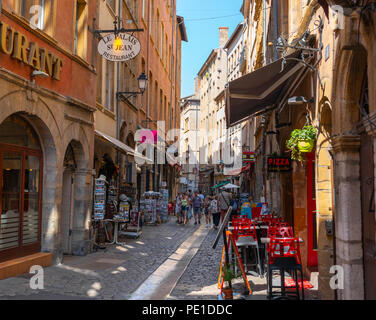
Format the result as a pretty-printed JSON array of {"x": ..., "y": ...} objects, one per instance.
[{"x": 279, "y": 164}]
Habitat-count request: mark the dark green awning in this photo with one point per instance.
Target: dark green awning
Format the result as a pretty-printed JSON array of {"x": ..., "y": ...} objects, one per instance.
[{"x": 221, "y": 184}]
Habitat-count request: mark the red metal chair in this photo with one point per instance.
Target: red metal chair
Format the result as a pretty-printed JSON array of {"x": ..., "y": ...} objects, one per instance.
[
  {"x": 246, "y": 236},
  {"x": 284, "y": 255}
]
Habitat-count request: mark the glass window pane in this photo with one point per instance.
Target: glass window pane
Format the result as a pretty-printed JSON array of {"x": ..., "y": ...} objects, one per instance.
[
  {"x": 16, "y": 131},
  {"x": 10, "y": 198},
  {"x": 31, "y": 201}
]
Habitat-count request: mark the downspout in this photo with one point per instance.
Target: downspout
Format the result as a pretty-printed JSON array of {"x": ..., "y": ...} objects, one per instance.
[
  {"x": 276, "y": 29},
  {"x": 118, "y": 84},
  {"x": 264, "y": 31},
  {"x": 172, "y": 59},
  {"x": 176, "y": 71},
  {"x": 148, "y": 65}
]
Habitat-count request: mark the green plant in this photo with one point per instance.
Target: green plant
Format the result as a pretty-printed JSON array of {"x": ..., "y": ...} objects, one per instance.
[
  {"x": 228, "y": 273},
  {"x": 308, "y": 133}
]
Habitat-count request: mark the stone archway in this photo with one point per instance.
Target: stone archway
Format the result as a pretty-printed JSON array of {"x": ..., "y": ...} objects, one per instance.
[
  {"x": 346, "y": 143},
  {"x": 324, "y": 198},
  {"x": 76, "y": 197},
  {"x": 48, "y": 219}
]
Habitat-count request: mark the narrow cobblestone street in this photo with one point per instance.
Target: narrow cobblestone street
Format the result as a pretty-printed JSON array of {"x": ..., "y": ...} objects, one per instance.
[
  {"x": 113, "y": 273},
  {"x": 119, "y": 271}
]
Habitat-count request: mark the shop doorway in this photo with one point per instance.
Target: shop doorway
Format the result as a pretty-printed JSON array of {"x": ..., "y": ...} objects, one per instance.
[
  {"x": 73, "y": 187},
  {"x": 368, "y": 215},
  {"x": 21, "y": 167},
  {"x": 311, "y": 212},
  {"x": 70, "y": 166}
]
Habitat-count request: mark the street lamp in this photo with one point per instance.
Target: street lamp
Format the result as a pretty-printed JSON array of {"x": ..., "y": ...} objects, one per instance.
[
  {"x": 297, "y": 101},
  {"x": 142, "y": 85}
]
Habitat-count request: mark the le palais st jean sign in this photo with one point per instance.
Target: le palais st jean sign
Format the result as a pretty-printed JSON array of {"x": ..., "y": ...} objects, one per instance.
[
  {"x": 17, "y": 45},
  {"x": 119, "y": 47}
]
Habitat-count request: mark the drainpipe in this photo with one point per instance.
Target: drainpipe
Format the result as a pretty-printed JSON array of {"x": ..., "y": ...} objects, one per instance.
[
  {"x": 118, "y": 83},
  {"x": 172, "y": 59},
  {"x": 276, "y": 29},
  {"x": 264, "y": 31}
]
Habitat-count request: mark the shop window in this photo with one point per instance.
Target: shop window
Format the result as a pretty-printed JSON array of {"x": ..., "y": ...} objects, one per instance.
[{"x": 80, "y": 28}]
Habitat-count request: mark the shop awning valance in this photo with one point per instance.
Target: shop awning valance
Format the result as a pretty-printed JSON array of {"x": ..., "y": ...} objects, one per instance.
[
  {"x": 121, "y": 147},
  {"x": 262, "y": 89}
]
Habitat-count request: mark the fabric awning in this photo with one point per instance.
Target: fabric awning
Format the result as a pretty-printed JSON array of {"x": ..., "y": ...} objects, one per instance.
[
  {"x": 220, "y": 184},
  {"x": 123, "y": 148},
  {"x": 256, "y": 91}
]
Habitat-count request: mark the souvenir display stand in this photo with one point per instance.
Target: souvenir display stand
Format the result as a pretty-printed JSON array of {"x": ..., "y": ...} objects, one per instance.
[
  {"x": 150, "y": 208},
  {"x": 133, "y": 227},
  {"x": 164, "y": 205},
  {"x": 99, "y": 212}
]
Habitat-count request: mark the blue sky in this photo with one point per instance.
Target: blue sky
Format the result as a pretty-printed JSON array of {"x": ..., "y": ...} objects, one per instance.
[{"x": 203, "y": 33}]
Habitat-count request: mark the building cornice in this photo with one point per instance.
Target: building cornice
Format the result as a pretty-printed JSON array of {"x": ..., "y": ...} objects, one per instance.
[
  {"x": 23, "y": 83},
  {"x": 346, "y": 143}
]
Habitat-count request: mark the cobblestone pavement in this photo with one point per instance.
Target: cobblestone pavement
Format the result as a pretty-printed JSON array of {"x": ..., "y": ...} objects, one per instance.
[
  {"x": 113, "y": 273},
  {"x": 199, "y": 281}
]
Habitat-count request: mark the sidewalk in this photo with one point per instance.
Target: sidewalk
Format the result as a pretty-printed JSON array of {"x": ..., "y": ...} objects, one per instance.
[{"x": 114, "y": 273}]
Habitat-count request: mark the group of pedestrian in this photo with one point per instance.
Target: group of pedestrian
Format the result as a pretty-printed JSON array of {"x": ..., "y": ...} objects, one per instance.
[{"x": 213, "y": 208}]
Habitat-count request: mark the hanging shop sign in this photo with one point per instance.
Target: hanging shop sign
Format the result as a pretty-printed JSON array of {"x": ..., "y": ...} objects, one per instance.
[
  {"x": 16, "y": 45},
  {"x": 121, "y": 47},
  {"x": 279, "y": 164},
  {"x": 248, "y": 157}
]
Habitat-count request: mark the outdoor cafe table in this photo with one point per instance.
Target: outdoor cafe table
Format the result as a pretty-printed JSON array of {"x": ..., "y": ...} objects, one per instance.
[
  {"x": 116, "y": 222},
  {"x": 267, "y": 240}
]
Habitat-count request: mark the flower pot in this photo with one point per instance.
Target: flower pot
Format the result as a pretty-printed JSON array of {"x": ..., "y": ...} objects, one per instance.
[
  {"x": 306, "y": 145},
  {"x": 228, "y": 293}
]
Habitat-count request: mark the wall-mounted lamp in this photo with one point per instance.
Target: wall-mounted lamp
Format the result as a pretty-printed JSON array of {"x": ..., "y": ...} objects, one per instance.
[
  {"x": 298, "y": 101},
  {"x": 38, "y": 73},
  {"x": 142, "y": 85}
]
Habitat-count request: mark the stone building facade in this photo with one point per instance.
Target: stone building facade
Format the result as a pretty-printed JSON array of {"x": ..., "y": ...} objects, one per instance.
[
  {"x": 46, "y": 125},
  {"x": 329, "y": 196}
]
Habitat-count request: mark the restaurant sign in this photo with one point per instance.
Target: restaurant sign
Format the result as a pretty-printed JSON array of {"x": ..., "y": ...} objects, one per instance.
[
  {"x": 248, "y": 157},
  {"x": 279, "y": 164},
  {"x": 121, "y": 47},
  {"x": 16, "y": 45}
]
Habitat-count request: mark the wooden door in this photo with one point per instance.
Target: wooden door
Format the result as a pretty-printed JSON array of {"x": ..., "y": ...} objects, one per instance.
[
  {"x": 311, "y": 212},
  {"x": 20, "y": 201},
  {"x": 368, "y": 215}
]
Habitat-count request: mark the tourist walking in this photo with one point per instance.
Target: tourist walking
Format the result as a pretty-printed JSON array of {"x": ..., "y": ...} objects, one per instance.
[
  {"x": 206, "y": 209},
  {"x": 178, "y": 208},
  {"x": 185, "y": 208},
  {"x": 215, "y": 211},
  {"x": 224, "y": 203},
  {"x": 196, "y": 203}
]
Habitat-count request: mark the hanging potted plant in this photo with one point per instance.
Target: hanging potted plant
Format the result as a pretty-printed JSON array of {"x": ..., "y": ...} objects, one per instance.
[
  {"x": 301, "y": 141},
  {"x": 228, "y": 276}
]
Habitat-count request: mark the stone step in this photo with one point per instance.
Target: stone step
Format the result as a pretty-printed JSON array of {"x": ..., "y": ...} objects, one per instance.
[{"x": 15, "y": 267}]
